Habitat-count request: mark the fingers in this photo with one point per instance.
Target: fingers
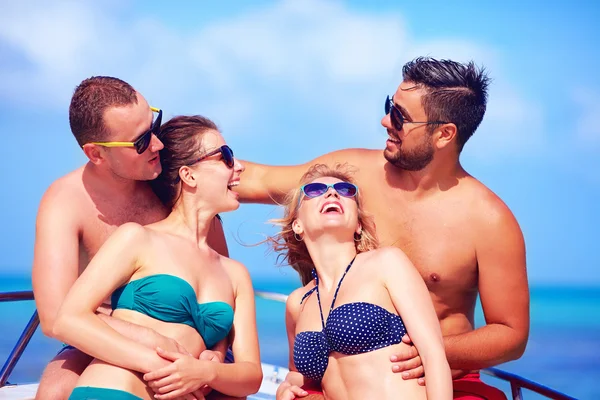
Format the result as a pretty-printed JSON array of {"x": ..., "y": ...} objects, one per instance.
[
  {"x": 413, "y": 363},
  {"x": 413, "y": 373},
  {"x": 298, "y": 392},
  {"x": 421, "y": 381},
  {"x": 406, "y": 339},
  {"x": 163, "y": 382},
  {"x": 168, "y": 355},
  {"x": 172, "y": 395},
  {"x": 407, "y": 353},
  {"x": 169, "y": 388},
  {"x": 160, "y": 373}
]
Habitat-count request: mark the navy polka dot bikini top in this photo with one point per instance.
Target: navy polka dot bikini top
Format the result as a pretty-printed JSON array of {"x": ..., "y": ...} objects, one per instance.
[{"x": 351, "y": 328}]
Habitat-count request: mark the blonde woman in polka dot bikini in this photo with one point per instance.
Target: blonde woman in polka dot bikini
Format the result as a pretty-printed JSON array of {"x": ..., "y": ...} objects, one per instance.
[{"x": 357, "y": 303}]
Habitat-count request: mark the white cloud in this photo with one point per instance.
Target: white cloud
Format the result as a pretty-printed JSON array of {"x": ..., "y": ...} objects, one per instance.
[{"x": 321, "y": 57}]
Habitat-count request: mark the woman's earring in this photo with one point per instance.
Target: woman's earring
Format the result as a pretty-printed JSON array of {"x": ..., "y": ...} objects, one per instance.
[
  {"x": 297, "y": 237},
  {"x": 357, "y": 236}
]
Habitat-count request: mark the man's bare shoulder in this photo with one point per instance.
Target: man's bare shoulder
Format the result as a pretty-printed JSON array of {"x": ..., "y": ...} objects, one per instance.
[
  {"x": 63, "y": 195},
  {"x": 66, "y": 186},
  {"x": 489, "y": 208}
]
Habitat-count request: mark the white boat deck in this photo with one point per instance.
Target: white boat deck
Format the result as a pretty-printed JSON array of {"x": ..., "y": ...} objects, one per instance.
[{"x": 272, "y": 376}]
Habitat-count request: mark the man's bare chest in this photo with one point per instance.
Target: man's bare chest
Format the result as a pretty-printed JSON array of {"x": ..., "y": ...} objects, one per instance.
[
  {"x": 432, "y": 234},
  {"x": 101, "y": 223}
]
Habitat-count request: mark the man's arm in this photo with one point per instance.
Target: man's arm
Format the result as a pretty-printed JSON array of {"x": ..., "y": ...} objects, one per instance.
[
  {"x": 269, "y": 184},
  {"x": 56, "y": 266},
  {"x": 56, "y": 254},
  {"x": 504, "y": 294}
]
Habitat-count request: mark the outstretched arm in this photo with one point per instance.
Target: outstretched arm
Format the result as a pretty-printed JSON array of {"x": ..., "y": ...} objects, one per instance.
[
  {"x": 504, "y": 294},
  {"x": 411, "y": 299},
  {"x": 270, "y": 184},
  {"x": 78, "y": 325}
]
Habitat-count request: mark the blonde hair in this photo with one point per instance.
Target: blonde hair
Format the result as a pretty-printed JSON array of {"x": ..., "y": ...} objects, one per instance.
[{"x": 293, "y": 251}]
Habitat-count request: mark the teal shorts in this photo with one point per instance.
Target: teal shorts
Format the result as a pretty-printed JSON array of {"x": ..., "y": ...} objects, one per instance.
[{"x": 95, "y": 393}]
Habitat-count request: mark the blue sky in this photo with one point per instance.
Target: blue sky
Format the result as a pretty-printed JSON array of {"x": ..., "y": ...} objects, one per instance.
[{"x": 289, "y": 80}]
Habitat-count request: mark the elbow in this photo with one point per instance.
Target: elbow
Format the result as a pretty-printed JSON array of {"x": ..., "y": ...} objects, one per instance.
[
  {"x": 519, "y": 348},
  {"x": 59, "y": 328},
  {"x": 47, "y": 327},
  {"x": 256, "y": 380}
]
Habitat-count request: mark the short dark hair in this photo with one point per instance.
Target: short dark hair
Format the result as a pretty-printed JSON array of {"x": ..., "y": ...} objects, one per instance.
[
  {"x": 182, "y": 137},
  {"x": 89, "y": 102},
  {"x": 456, "y": 92}
]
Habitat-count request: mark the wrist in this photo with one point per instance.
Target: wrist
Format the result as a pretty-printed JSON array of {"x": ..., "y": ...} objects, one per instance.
[{"x": 209, "y": 369}]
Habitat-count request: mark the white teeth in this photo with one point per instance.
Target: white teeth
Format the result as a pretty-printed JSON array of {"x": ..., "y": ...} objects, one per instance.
[
  {"x": 232, "y": 184},
  {"x": 331, "y": 207}
]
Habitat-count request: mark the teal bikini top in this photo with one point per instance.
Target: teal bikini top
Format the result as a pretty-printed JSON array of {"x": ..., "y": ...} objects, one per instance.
[{"x": 171, "y": 299}]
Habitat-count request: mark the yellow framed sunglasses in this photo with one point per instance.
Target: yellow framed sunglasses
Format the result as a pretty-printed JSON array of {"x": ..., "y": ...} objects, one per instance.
[{"x": 142, "y": 142}]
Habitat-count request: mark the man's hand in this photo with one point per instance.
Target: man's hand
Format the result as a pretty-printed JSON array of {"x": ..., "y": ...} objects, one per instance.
[{"x": 408, "y": 362}]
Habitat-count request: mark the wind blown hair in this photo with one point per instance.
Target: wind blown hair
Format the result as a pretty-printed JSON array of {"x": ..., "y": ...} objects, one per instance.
[
  {"x": 456, "y": 93},
  {"x": 294, "y": 252},
  {"x": 182, "y": 137},
  {"x": 91, "y": 99}
]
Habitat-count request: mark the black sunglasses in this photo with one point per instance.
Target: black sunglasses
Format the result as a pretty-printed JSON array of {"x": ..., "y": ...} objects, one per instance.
[
  {"x": 226, "y": 153},
  {"x": 316, "y": 189},
  {"x": 142, "y": 142},
  {"x": 398, "y": 120}
]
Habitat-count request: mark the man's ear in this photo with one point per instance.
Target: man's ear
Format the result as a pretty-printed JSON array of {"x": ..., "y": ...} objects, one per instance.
[
  {"x": 187, "y": 176},
  {"x": 94, "y": 153},
  {"x": 446, "y": 134}
]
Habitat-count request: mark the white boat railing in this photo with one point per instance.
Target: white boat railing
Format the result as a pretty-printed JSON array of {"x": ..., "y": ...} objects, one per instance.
[{"x": 517, "y": 383}]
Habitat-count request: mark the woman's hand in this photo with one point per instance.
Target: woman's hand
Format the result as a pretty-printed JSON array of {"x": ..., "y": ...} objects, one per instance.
[
  {"x": 287, "y": 391},
  {"x": 184, "y": 375}
]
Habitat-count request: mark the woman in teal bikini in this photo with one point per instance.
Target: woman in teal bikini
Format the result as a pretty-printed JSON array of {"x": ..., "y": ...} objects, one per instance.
[{"x": 164, "y": 276}]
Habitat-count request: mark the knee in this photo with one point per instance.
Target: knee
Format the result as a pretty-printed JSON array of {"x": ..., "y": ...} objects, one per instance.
[
  {"x": 61, "y": 375},
  {"x": 55, "y": 389}
]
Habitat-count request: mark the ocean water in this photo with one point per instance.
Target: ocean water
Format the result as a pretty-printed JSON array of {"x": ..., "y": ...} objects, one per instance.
[{"x": 563, "y": 350}]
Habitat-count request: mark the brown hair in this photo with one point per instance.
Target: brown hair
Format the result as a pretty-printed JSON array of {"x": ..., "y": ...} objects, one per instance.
[
  {"x": 89, "y": 102},
  {"x": 182, "y": 137},
  {"x": 294, "y": 252}
]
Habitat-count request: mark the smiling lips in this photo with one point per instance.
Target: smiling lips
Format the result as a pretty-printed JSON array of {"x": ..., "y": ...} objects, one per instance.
[
  {"x": 332, "y": 206},
  {"x": 233, "y": 183},
  {"x": 392, "y": 138}
]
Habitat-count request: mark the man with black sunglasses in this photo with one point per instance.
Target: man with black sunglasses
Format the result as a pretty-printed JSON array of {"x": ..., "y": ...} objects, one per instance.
[
  {"x": 461, "y": 237},
  {"x": 120, "y": 134}
]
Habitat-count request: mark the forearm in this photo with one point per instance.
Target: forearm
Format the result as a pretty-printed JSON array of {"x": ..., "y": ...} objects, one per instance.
[
  {"x": 439, "y": 378},
  {"x": 484, "y": 347},
  {"x": 238, "y": 379},
  {"x": 141, "y": 334},
  {"x": 93, "y": 336}
]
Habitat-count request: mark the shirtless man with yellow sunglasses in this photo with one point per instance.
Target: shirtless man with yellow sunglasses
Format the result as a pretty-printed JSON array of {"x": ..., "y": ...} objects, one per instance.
[{"x": 120, "y": 135}]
